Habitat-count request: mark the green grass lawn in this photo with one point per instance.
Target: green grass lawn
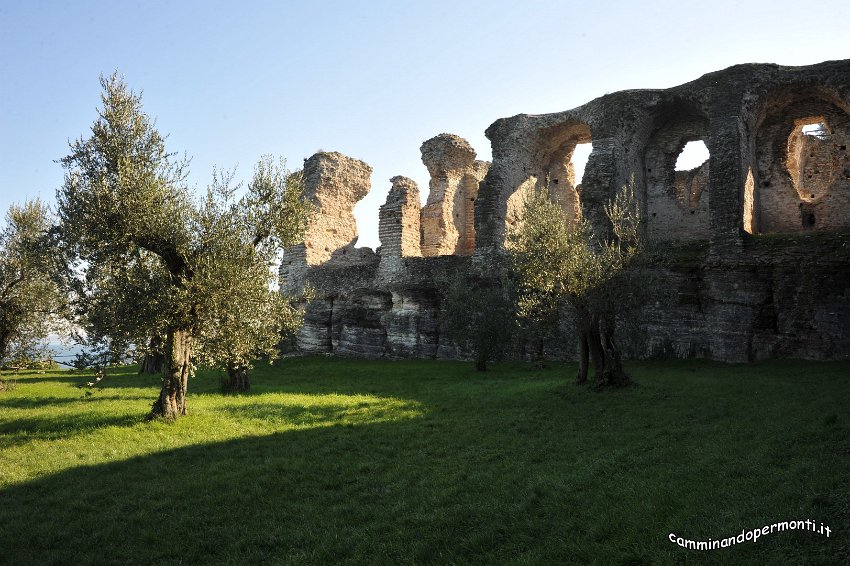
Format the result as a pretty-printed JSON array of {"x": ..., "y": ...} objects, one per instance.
[{"x": 335, "y": 461}]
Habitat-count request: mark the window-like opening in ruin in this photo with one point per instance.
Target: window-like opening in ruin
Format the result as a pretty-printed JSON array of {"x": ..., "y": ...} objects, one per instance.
[
  {"x": 581, "y": 154},
  {"x": 817, "y": 129},
  {"x": 690, "y": 176},
  {"x": 693, "y": 155},
  {"x": 750, "y": 220},
  {"x": 801, "y": 163},
  {"x": 676, "y": 166},
  {"x": 560, "y": 162},
  {"x": 809, "y": 159}
]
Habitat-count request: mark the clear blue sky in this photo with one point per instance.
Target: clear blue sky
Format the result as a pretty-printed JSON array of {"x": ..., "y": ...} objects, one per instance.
[{"x": 230, "y": 81}]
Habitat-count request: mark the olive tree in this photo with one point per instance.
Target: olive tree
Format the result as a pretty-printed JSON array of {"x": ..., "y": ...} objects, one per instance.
[
  {"x": 478, "y": 314},
  {"x": 560, "y": 264},
  {"x": 31, "y": 302},
  {"x": 257, "y": 315},
  {"x": 152, "y": 261}
]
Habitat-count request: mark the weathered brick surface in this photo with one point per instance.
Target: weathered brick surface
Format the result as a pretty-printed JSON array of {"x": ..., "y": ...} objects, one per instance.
[{"x": 447, "y": 219}]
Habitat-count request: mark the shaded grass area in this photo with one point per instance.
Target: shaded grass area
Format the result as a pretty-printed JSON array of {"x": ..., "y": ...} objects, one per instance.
[{"x": 335, "y": 461}]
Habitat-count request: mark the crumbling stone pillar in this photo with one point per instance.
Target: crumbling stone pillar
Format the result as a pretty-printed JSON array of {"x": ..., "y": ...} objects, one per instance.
[
  {"x": 334, "y": 183},
  {"x": 727, "y": 179},
  {"x": 398, "y": 225},
  {"x": 604, "y": 176},
  {"x": 447, "y": 219}
]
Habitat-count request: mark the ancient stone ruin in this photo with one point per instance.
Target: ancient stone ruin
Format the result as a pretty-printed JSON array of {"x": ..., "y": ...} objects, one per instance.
[{"x": 760, "y": 233}]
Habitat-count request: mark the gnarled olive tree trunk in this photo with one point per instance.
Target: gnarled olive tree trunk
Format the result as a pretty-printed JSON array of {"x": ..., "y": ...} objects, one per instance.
[
  {"x": 583, "y": 328},
  {"x": 175, "y": 376},
  {"x": 237, "y": 379},
  {"x": 597, "y": 347},
  {"x": 153, "y": 359},
  {"x": 5, "y": 340},
  {"x": 613, "y": 373}
]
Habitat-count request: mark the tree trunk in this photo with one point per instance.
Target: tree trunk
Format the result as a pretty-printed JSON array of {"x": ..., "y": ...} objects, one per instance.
[
  {"x": 613, "y": 375},
  {"x": 175, "y": 376},
  {"x": 480, "y": 363},
  {"x": 7, "y": 329},
  {"x": 583, "y": 332},
  {"x": 152, "y": 363},
  {"x": 583, "y": 354},
  {"x": 4, "y": 344},
  {"x": 154, "y": 358},
  {"x": 594, "y": 347},
  {"x": 237, "y": 379}
]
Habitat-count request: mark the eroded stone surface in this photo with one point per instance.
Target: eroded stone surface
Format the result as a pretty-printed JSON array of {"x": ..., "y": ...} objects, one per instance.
[
  {"x": 399, "y": 220},
  {"x": 448, "y": 217},
  {"x": 803, "y": 177},
  {"x": 334, "y": 183}
]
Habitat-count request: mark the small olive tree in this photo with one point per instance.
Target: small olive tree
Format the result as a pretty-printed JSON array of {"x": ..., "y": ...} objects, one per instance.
[
  {"x": 257, "y": 316},
  {"x": 32, "y": 304},
  {"x": 560, "y": 264},
  {"x": 150, "y": 261},
  {"x": 478, "y": 314}
]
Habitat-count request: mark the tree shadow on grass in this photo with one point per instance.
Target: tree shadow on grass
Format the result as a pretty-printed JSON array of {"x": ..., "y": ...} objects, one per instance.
[
  {"x": 287, "y": 496},
  {"x": 382, "y": 493},
  {"x": 43, "y": 402},
  {"x": 115, "y": 377},
  {"x": 24, "y": 430}
]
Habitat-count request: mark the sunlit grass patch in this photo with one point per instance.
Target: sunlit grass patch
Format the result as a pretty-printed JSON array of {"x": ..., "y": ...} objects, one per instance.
[{"x": 53, "y": 421}]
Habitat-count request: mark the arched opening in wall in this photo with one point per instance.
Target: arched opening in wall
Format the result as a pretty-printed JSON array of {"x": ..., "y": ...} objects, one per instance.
[
  {"x": 809, "y": 161},
  {"x": 802, "y": 181},
  {"x": 564, "y": 153},
  {"x": 690, "y": 177},
  {"x": 750, "y": 224},
  {"x": 676, "y": 162},
  {"x": 581, "y": 154},
  {"x": 694, "y": 154},
  {"x": 552, "y": 160}
]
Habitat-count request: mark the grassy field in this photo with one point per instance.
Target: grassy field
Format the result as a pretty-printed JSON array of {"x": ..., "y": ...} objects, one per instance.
[{"x": 331, "y": 461}]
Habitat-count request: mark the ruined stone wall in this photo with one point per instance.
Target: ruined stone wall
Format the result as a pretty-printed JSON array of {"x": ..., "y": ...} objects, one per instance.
[
  {"x": 398, "y": 225},
  {"x": 804, "y": 179},
  {"x": 736, "y": 294}
]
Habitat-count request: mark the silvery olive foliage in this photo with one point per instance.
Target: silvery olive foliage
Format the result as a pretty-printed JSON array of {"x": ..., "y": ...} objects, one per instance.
[
  {"x": 242, "y": 316},
  {"x": 153, "y": 262},
  {"x": 32, "y": 304},
  {"x": 558, "y": 264}
]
